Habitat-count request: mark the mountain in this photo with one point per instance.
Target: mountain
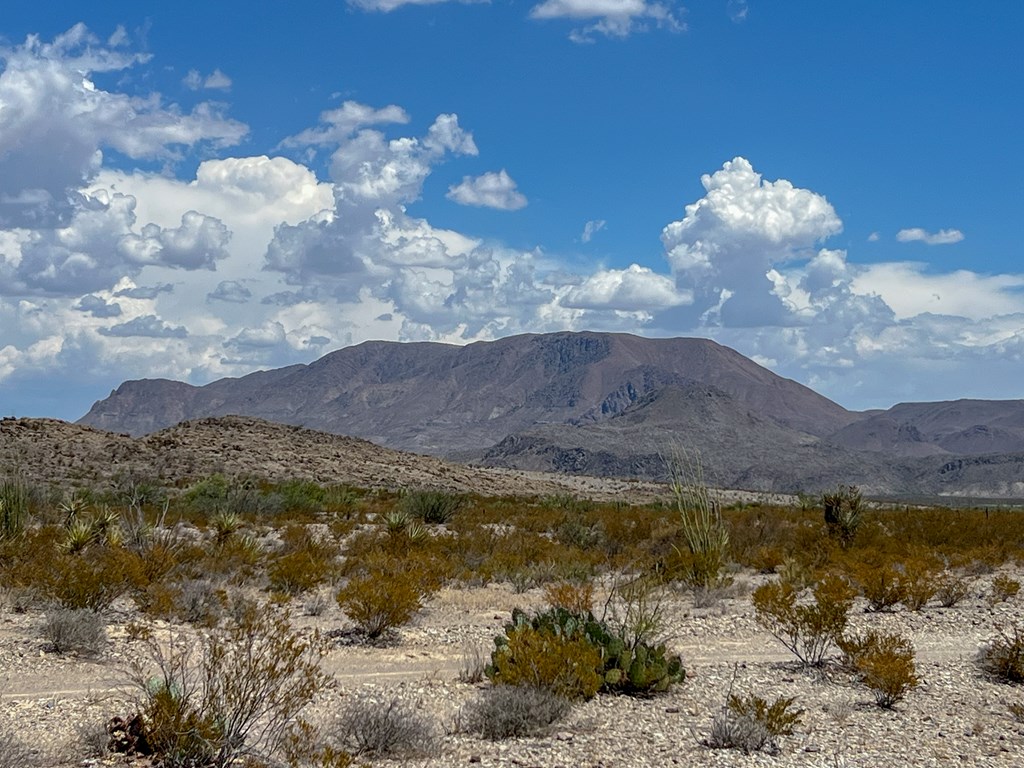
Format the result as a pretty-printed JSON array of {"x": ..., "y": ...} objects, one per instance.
[
  {"x": 451, "y": 400},
  {"x": 956, "y": 427}
]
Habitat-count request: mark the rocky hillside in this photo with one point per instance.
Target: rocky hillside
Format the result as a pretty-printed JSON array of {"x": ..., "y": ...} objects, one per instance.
[
  {"x": 449, "y": 400},
  {"x": 69, "y": 455}
]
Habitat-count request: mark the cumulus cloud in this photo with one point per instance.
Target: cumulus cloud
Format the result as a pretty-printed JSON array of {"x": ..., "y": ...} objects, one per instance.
[
  {"x": 942, "y": 237},
  {"x": 216, "y": 80},
  {"x": 50, "y": 100},
  {"x": 491, "y": 190},
  {"x": 98, "y": 306},
  {"x": 149, "y": 326},
  {"x": 144, "y": 291},
  {"x": 230, "y": 290},
  {"x": 591, "y": 228},
  {"x": 614, "y": 18},
  {"x": 633, "y": 289},
  {"x": 729, "y": 240}
]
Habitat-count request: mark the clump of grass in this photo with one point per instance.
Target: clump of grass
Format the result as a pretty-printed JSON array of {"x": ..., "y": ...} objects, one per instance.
[
  {"x": 432, "y": 507},
  {"x": 385, "y": 729},
  {"x": 514, "y": 711},
  {"x": 1003, "y": 656},
  {"x": 75, "y": 630}
]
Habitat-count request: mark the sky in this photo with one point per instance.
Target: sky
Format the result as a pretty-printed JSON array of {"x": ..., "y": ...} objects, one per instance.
[{"x": 193, "y": 191}]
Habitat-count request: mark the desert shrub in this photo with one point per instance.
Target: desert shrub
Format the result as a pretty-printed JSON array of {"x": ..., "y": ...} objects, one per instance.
[
  {"x": 387, "y": 591},
  {"x": 885, "y": 663},
  {"x": 433, "y": 507},
  {"x": 951, "y": 588},
  {"x": 513, "y": 711},
  {"x": 78, "y": 631},
  {"x": 390, "y": 729},
  {"x": 920, "y": 582},
  {"x": 238, "y": 695},
  {"x": 808, "y": 630},
  {"x": 566, "y": 664},
  {"x": 578, "y": 531},
  {"x": 1003, "y": 656},
  {"x": 199, "y": 602},
  {"x": 575, "y": 597},
  {"x": 304, "y": 562},
  {"x": 751, "y": 724},
  {"x": 92, "y": 579},
  {"x": 621, "y": 663},
  {"x": 704, "y": 531},
  {"x": 843, "y": 513},
  {"x": 881, "y": 583},
  {"x": 14, "y": 753},
  {"x": 1003, "y": 588}
]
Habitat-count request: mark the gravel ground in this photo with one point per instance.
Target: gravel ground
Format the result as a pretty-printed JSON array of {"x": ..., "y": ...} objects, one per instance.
[{"x": 956, "y": 717}]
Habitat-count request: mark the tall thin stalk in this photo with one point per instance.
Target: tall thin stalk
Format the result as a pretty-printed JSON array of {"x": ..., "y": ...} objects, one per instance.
[{"x": 700, "y": 517}]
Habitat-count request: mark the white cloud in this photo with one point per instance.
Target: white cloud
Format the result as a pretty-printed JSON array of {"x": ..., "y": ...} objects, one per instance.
[
  {"x": 216, "y": 80},
  {"x": 874, "y": 237},
  {"x": 591, "y": 228},
  {"x": 942, "y": 237},
  {"x": 634, "y": 289},
  {"x": 230, "y": 290},
  {"x": 149, "y": 326},
  {"x": 738, "y": 11},
  {"x": 614, "y": 18},
  {"x": 725, "y": 245},
  {"x": 386, "y": 6},
  {"x": 49, "y": 100},
  {"x": 491, "y": 190}
]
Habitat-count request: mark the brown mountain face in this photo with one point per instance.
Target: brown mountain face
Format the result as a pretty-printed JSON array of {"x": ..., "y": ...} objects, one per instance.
[
  {"x": 956, "y": 427},
  {"x": 460, "y": 400}
]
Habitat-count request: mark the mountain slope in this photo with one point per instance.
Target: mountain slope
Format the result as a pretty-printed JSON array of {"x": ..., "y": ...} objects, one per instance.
[
  {"x": 446, "y": 400},
  {"x": 956, "y": 427}
]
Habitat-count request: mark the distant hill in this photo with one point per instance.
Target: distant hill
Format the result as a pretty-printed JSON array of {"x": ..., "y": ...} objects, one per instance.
[
  {"x": 69, "y": 455},
  {"x": 448, "y": 400},
  {"x": 956, "y": 427},
  {"x": 611, "y": 405}
]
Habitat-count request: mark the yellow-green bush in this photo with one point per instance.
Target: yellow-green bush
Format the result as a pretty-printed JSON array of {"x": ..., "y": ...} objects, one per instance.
[{"x": 566, "y": 665}]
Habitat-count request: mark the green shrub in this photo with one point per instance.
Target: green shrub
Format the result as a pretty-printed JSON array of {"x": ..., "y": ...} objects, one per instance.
[
  {"x": 513, "y": 711},
  {"x": 239, "y": 695},
  {"x": 304, "y": 562},
  {"x": 885, "y": 663},
  {"x": 432, "y": 507},
  {"x": 881, "y": 583},
  {"x": 566, "y": 664},
  {"x": 920, "y": 582},
  {"x": 751, "y": 724},
  {"x": 1003, "y": 656},
  {"x": 621, "y": 665},
  {"x": 808, "y": 630},
  {"x": 78, "y": 631}
]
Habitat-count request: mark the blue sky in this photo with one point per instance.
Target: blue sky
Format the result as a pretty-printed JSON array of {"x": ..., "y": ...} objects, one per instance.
[{"x": 828, "y": 188}]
